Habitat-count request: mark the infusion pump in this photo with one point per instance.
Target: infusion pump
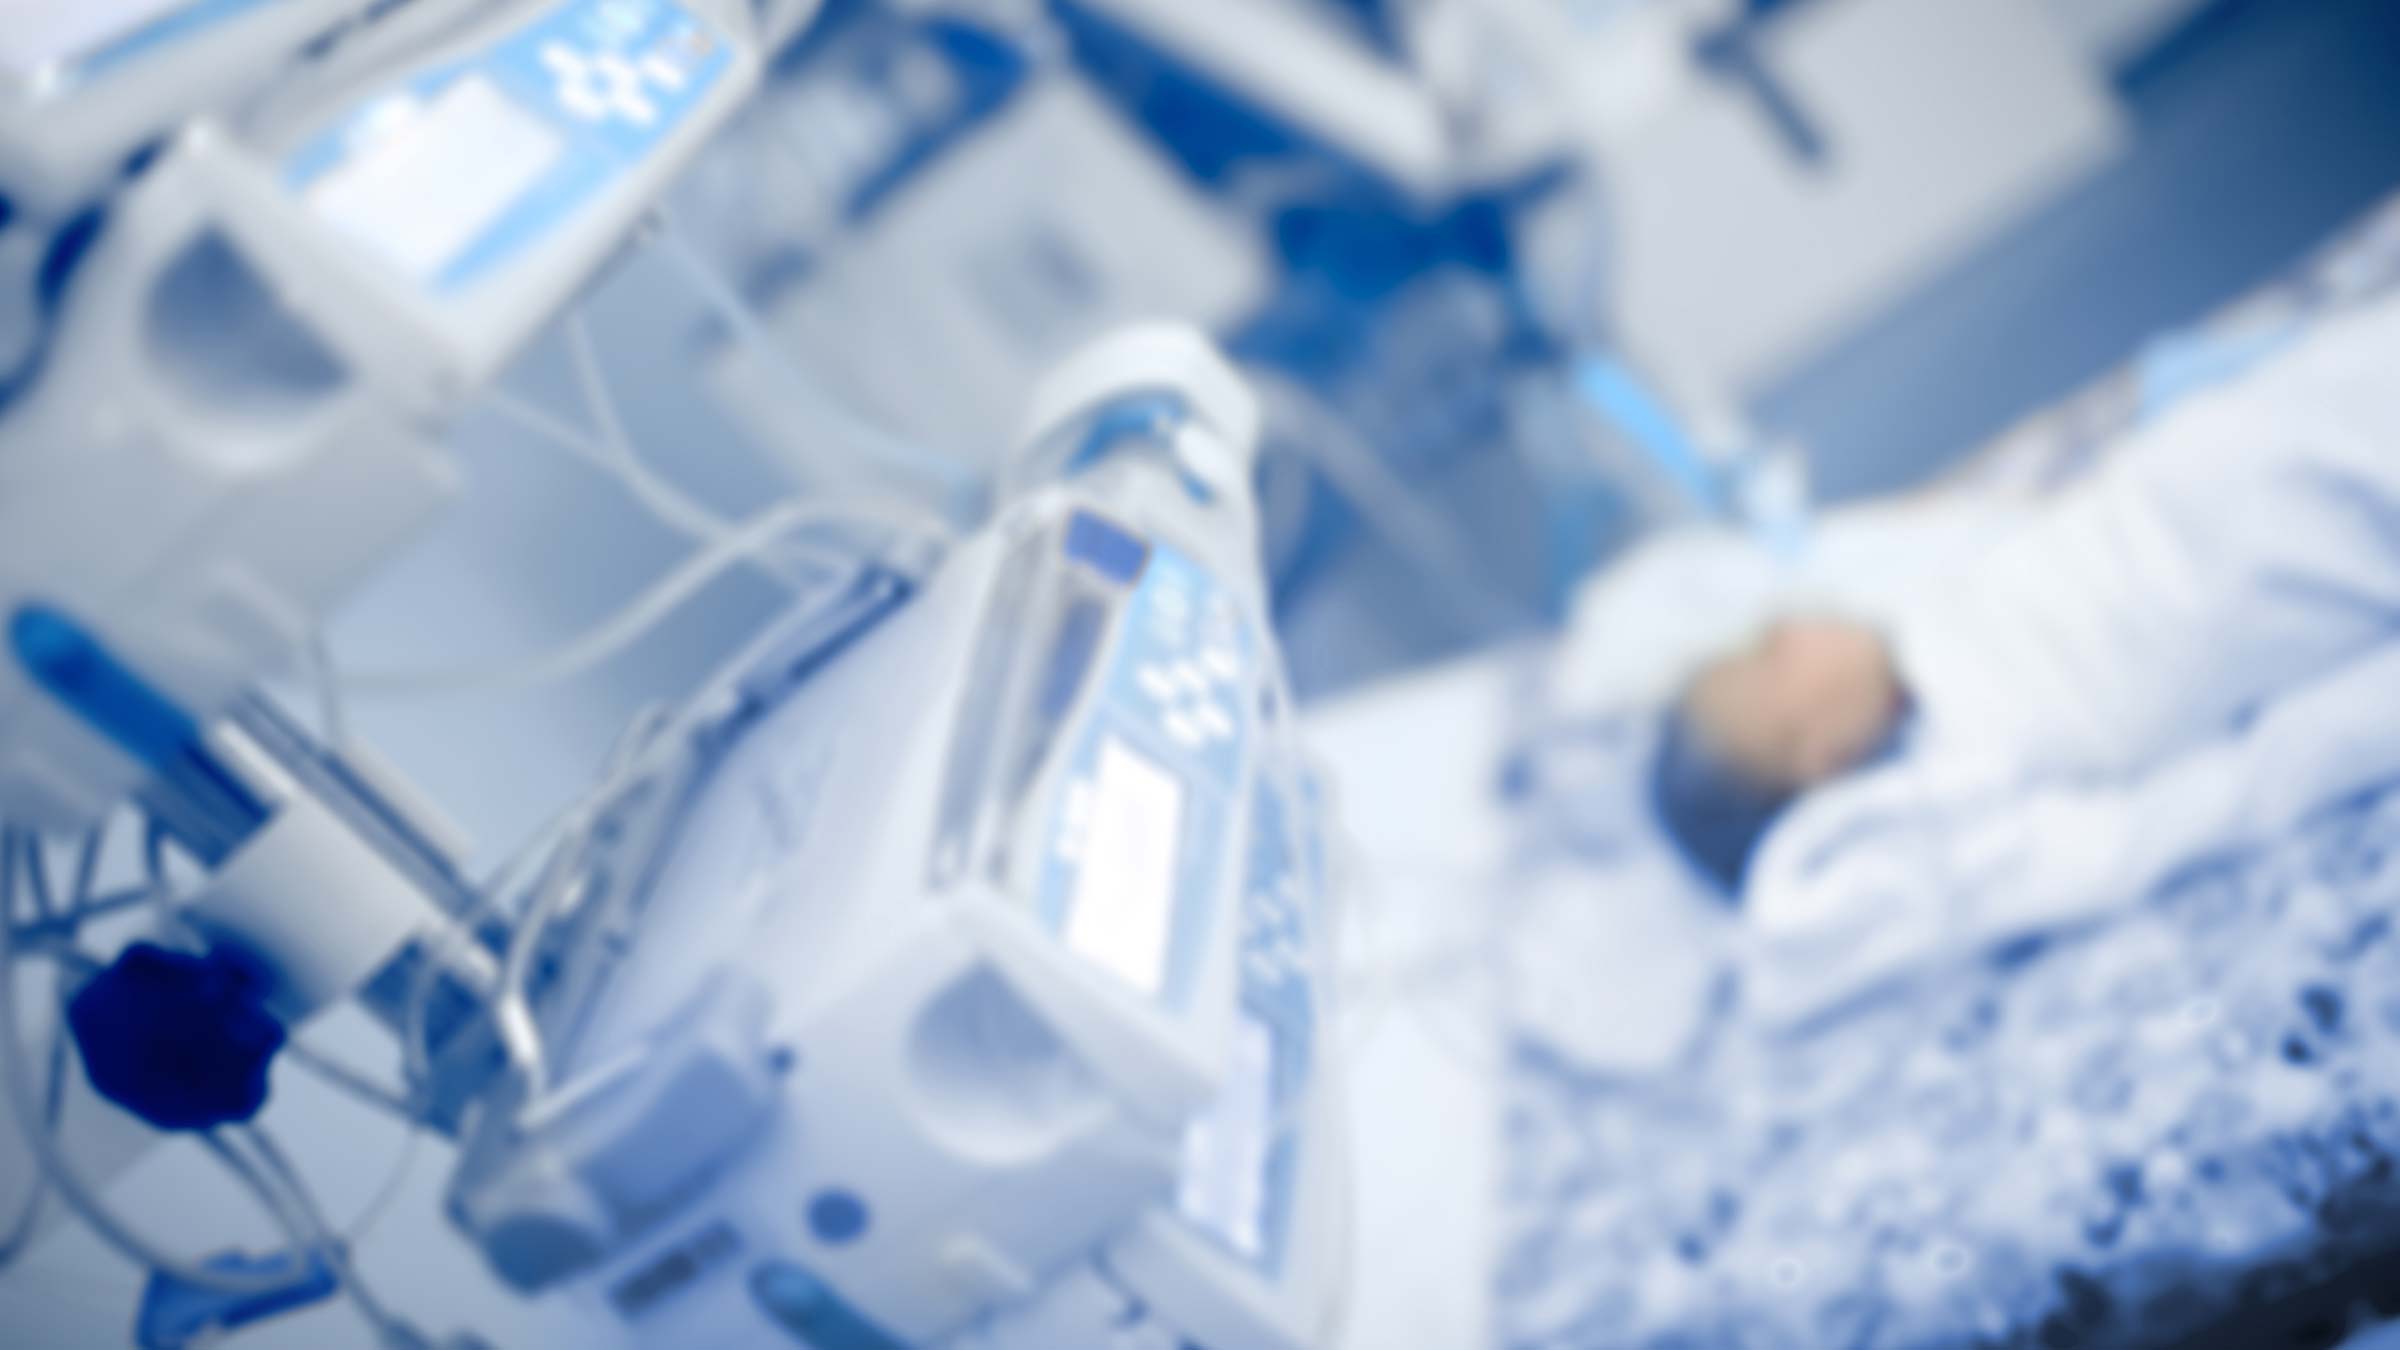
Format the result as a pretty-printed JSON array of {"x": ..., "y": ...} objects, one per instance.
[
  {"x": 952, "y": 974},
  {"x": 240, "y": 407}
]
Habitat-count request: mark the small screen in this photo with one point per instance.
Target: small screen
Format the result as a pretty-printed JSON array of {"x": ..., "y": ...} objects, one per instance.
[
  {"x": 429, "y": 177},
  {"x": 1224, "y": 1187},
  {"x": 1123, "y": 911}
]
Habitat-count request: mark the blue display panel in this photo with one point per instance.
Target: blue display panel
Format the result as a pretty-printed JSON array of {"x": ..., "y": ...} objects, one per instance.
[
  {"x": 471, "y": 163},
  {"x": 1143, "y": 821}
]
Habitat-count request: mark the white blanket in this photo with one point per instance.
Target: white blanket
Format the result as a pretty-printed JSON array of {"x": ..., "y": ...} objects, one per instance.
[{"x": 2179, "y": 657}]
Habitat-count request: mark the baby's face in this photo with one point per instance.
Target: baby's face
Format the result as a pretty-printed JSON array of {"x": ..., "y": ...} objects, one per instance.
[{"x": 1810, "y": 699}]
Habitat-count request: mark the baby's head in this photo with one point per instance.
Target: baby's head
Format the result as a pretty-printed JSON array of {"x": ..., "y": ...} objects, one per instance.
[{"x": 1807, "y": 701}]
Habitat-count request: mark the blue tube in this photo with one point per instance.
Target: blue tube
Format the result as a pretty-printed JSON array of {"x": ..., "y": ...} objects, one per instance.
[
  {"x": 78, "y": 670},
  {"x": 1632, "y": 408}
]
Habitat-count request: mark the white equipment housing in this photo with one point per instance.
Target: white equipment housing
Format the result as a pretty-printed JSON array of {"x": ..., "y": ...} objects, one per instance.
[
  {"x": 1003, "y": 261},
  {"x": 83, "y": 85},
  {"x": 991, "y": 257},
  {"x": 952, "y": 975},
  {"x": 241, "y": 418}
]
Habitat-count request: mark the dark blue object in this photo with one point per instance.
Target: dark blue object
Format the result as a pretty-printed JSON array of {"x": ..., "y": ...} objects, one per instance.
[
  {"x": 837, "y": 1217},
  {"x": 816, "y": 1316},
  {"x": 181, "y": 1041},
  {"x": 60, "y": 262},
  {"x": 175, "y": 1314},
  {"x": 1106, "y": 548},
  {"x": 1208, "y": 130},
  {"x": 72, "y": 665},
  {"x": 1715, "y": 814},
  {"x": 1137, "y": 419},
  {"x": 1732, "y": 54}
]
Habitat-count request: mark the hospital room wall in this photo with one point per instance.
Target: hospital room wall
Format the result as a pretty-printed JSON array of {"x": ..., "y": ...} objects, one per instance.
[{"x": 2261, "y": 128}]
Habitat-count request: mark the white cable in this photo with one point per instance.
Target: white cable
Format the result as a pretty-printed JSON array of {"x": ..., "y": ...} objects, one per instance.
[
  {"x": 612, "y": 454},
  {"x": 394, "y": 1330},
  {"x": 279, "y": 1207},
  {"x": 652, "y": 607},
  {"x": 456, "y": 939},
  {"x": 280, "y": 1187},
  {"x": 379, "y": 1204},
  {"x": 669, "y": 505},
  {"x": 46, "y": 933},
  {"x": 87, "y": 869},
  {"x": 65, "y": 1181},
  {"x": 416, "y": 1064},
  {"x": 512, "y": 1009},
  {"x": 559, "y": 887},
  {"x": 28, "y": 1221},
  {"x": 555, "y": 846},
  {"x": 584, "y": 354},
  {"x": 37, "y": 880},
  {"x": 543, "y": 847},
  {"x": 859, "y": 432},
  {"x": 350, "y": 1082},
  {"x": 333, "y": 721}
]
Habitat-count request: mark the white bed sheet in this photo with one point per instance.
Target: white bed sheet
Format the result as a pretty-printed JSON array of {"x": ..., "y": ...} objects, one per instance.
[{"x": 1630, "y": 955}]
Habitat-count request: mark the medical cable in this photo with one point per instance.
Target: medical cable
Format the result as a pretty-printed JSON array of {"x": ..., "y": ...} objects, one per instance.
[
  {"x": 87, "y": 870},
  {"x": 661, "y": 500},
  {"x": 611, "y": 451},
  {"x": 350, "y": 1082},
  {"x": 556, "y": 849},
  {"x": 658, "y": 498},
  {"x": 65, "y": 1181},
  {"x": 279, "y": 1167},
  {"x": 333, "y": 718},
  {"x": 953, "y": 478},
  {"x": 37, "y": 879},
  {"x": 453, "y": 941},
  {"x": 618, "y": 444},
  {"x": 386, "y": 1194},
  {"x": 278, "y": 1186},
  {"x": 653, "y": 606},
  {"x": 42, "y": 936},
  {"x": 62, "y": 258},
  {"x": 19, "y": 1235},
  {"x": 562, "y": 885}
]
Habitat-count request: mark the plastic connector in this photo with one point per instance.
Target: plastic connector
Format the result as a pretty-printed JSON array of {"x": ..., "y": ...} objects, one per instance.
[
  {"x": 181, "y": 1041},
  {"x": 175, "y": 1314}
]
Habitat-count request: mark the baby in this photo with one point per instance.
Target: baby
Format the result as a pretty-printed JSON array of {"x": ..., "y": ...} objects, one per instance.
[
  {"x": 1810, "y": 700},
  {"x": 2181, "y": 654}
]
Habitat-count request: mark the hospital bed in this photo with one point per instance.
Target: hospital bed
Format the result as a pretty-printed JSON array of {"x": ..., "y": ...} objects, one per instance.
[{"x": 2182, "y": 1127}]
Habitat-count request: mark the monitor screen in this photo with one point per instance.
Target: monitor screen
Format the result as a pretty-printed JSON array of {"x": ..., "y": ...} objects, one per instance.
[
  {"x": 1123, "y": 912},
  {"x": 426, "y": 178}
]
